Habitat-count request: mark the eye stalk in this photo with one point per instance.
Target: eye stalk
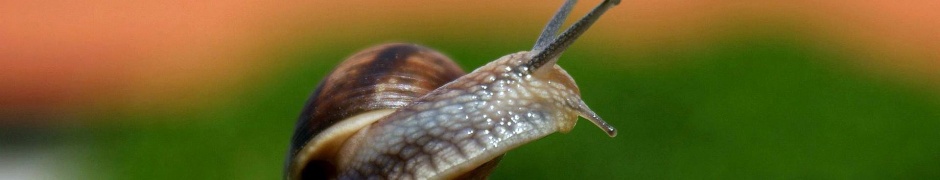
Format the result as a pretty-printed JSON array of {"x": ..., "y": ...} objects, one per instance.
[
  {"x": 548, "y": 47},
  {"x": 551, "y": 29}
]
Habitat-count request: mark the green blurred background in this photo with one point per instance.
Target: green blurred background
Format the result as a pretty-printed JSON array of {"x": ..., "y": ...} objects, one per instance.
[{"x": 698, "y": 90}]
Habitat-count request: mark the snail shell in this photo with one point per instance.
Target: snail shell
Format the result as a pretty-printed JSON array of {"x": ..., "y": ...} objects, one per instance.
[
  {"x": 401, "y": 111},
  {"x": 366, "y": 85}
]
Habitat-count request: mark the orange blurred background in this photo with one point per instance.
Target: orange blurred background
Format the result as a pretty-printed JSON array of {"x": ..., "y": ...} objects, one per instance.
[{"x": 66, "y": 58}]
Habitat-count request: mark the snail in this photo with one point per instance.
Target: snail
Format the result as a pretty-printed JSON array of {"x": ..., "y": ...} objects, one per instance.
[{"x": 403, "y": 111}]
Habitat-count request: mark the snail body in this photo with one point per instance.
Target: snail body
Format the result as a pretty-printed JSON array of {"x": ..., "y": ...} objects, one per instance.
[{"x": 402, "y": 111}]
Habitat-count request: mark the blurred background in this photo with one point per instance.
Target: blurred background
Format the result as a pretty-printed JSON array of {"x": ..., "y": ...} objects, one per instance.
[{"x": 713, "y": 89}]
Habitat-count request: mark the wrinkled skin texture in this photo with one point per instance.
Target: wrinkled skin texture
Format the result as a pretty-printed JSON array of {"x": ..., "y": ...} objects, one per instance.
[{"x": 466, "y": 123}]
